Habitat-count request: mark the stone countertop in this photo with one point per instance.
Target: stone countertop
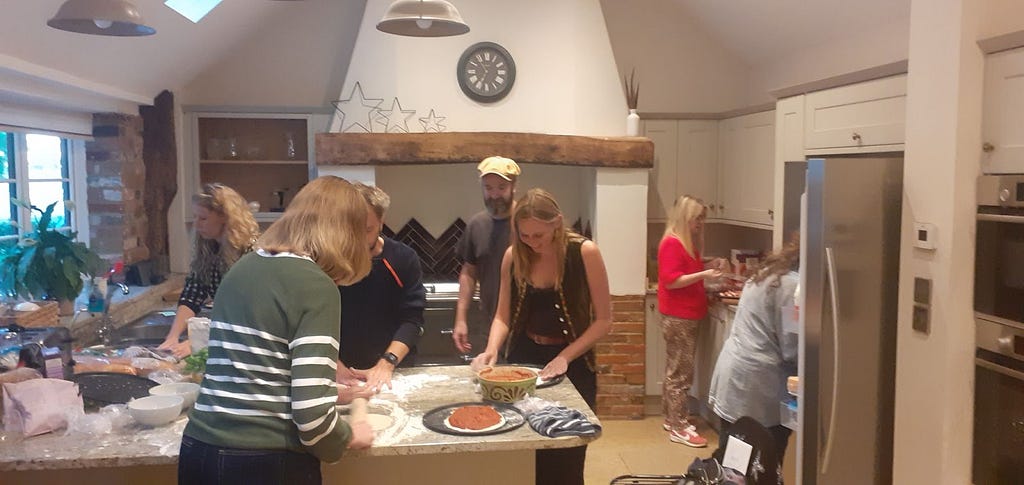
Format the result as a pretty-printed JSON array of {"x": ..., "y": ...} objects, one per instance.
[{"x": 416, "y": 391}]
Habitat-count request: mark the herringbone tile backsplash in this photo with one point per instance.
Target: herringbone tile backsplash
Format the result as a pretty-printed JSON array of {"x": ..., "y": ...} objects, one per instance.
[{"x": 437, "y": 255}]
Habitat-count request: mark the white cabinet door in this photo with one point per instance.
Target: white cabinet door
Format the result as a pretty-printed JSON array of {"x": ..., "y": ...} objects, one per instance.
[
  {"x": 654, "y": 363},
  {"x": 661, "y": 185},
  {"x": 747, "y": 168},
  {"x": 697, "y": 167},
  {"x": 729, "y": 163},
  {"x": 1003, "y": 113},
  {"x": 789, "y": 147},
  {"x": 867, "y": 116}
]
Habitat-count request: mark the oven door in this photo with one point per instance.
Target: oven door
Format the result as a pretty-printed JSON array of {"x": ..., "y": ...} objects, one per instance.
[
  {"x": 999, "y": 265},
  {"x": 999, "y": 405}
]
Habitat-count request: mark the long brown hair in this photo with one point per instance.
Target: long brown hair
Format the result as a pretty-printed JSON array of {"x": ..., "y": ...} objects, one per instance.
[
  {"x": 780, "y": 262},
  {"x": 538, "y": 204},
  {"x": 239, "y": 234},
  {"x": 325, "y": 221},
  {"x": 685, "y": 209}
]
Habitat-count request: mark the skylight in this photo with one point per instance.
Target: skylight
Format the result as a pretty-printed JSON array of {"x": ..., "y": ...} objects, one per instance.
[{"x": 192, "y": 9}]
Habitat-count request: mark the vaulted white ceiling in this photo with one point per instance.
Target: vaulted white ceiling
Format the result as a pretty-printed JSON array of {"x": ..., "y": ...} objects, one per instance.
[{"x": 764, "y": 31}]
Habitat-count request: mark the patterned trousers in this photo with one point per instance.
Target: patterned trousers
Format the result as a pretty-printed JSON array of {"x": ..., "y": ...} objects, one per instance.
[{"x": 681, "y": 347}]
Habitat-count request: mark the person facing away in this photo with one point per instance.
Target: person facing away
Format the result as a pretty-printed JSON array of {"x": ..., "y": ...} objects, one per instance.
[
  {"x": 483, "y": 245},
  {"x": 554, "y": 305},
  {"x": 266, "y": 408},
  {"x": 759, "y": 354},
  {"x": 225, "y": 229},
  {"x": 382, "y": 314},
  {"x": 682, "y": 304}
]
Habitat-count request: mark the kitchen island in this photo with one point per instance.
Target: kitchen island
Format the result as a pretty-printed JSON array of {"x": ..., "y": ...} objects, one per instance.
[{"x": 405, "y": 450}]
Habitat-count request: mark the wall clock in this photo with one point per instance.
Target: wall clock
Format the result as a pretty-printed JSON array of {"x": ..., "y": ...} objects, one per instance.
[{"x": 486, "y": 72}]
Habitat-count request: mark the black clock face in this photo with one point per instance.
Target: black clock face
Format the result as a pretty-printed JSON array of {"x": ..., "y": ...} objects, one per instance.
[{"x": 486, "y": 72}]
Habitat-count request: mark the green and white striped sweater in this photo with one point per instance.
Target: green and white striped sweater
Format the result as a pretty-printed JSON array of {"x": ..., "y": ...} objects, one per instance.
[{"x": 270, "y": 377}]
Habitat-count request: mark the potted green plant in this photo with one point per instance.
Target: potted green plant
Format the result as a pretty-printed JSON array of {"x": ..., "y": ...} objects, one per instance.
[{"x": 47, "y": 263}]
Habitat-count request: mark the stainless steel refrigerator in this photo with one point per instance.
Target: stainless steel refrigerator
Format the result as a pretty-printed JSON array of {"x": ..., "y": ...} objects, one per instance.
[{"x": 850, "y": 240}]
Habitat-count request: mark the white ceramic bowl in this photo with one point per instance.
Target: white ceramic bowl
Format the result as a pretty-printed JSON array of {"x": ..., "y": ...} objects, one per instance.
[
  {"x": 189, "y": 392},
  {"x": 155, "y": 410}
]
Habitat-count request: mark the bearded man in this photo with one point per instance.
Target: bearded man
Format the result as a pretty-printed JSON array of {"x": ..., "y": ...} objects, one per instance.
[{"x": 483, "y": 244}]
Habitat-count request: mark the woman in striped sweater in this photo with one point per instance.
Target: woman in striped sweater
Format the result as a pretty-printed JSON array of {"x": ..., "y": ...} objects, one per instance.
[{"x": 266, "y": 410}]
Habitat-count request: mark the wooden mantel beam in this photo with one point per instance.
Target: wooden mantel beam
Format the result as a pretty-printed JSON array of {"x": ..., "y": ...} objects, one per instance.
[{"x": 471, "y": 147}]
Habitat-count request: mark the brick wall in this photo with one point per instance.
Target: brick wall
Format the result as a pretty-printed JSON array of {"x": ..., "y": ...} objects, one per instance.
[
  {"x": 115, "y": 180},
  {"x": 620, "y": 362}
]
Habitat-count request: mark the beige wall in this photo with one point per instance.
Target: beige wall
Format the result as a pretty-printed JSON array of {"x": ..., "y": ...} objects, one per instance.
[
  {"x": 680, "y": 67},
  {"x": 1000, "y": 17},
  {"x": 566, "y": 82},
  {"x": 935, "y": 371}
]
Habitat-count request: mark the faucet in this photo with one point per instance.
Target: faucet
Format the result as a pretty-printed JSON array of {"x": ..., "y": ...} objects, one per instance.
[{"x": 124, "y": 288}]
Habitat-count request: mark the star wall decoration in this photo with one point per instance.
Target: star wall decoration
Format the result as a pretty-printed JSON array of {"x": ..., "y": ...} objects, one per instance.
[
  {"x": 395, "y": 120},
  {"x": 433, "y": 123},
  {"x": 357, "y": 112}
]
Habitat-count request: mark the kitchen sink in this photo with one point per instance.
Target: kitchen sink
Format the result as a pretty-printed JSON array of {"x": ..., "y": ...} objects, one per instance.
[{"x": 149, "y": 330}]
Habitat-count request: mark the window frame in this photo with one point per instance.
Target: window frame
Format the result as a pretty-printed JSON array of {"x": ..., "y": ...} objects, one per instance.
[{"x": 74, "y": 175}]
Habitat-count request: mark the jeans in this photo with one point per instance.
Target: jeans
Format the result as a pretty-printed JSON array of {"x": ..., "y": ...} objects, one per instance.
[
  {"x": 204, "y": 464},
  {"x": 559, "y": 466}
]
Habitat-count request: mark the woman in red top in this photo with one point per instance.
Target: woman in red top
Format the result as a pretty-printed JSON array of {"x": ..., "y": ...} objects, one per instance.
[{"x": 682, "y": 304}]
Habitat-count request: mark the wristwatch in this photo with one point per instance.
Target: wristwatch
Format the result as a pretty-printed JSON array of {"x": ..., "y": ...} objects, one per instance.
[{"x": 391, "y": 358}]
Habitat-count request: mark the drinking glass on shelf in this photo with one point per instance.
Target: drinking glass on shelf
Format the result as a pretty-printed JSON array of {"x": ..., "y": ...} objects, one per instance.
[
  {"x": 232, "y": 151},
  {"x": 289, "y": 139}
]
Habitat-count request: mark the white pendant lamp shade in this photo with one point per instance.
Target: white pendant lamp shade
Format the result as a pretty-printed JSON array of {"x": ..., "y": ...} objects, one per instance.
[
  {"x": 101, "y": 17},
  {"x": 422, "y": 18}
]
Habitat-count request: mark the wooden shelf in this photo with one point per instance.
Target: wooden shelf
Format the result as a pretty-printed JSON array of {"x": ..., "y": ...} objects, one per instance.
[{"x": 257, "y": 162}]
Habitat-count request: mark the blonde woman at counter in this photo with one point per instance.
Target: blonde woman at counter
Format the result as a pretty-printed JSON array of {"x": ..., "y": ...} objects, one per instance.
[
  {"x": 682, "y": 303},
  {"x": 266, "y": 411},
  {"x": 224, "y": 231},
  {"x": 553, "y": 306}
]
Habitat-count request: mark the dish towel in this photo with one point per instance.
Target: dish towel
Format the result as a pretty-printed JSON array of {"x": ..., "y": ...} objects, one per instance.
[{"x": 555, "y": 421}]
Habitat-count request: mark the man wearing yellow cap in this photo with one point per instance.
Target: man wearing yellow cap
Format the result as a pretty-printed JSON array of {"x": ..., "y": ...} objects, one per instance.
[{"x": 483, "y": 244}]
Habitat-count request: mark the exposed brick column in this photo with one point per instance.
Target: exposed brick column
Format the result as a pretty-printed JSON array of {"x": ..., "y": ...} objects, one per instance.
[
  {"x": 115, "y": 179},
  {"x": 620, "y": 361}
]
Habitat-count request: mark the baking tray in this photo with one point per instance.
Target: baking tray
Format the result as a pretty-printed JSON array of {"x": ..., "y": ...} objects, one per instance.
[
  {"x": 99, "y": 389},
  {"x": 434, "y": 419}
]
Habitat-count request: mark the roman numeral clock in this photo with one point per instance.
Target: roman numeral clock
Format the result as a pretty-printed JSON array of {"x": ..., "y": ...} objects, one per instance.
[{"x": 486, "y": 72}]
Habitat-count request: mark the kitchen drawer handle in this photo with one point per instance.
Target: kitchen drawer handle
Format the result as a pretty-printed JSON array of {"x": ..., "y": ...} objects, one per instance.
[
  {"x": 988, "y": 147},
  {"x": 447, "y": 331},
  {"x": 856, "y": 137}
]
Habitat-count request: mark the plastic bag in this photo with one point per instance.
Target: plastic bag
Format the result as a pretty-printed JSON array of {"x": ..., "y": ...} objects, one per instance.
[{"x": 40, "y": 406}]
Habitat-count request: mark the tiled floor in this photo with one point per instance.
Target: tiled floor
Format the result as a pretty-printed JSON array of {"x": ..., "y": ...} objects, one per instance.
[{"x": 641, "y": 447}]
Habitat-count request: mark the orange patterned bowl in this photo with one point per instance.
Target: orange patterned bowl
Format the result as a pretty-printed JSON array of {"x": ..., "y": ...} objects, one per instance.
[{"x": 507, "y": 383}]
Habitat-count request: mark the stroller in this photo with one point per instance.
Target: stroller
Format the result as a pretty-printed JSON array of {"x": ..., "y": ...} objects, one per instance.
[{"x": 764, "y": 467}]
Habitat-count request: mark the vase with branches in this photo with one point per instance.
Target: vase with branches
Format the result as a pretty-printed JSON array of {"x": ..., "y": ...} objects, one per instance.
[{"x": 632, "y": 98}]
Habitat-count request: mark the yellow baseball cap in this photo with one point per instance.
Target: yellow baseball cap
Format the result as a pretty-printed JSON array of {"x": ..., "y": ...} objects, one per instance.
[{"x": 505, "y": 168}]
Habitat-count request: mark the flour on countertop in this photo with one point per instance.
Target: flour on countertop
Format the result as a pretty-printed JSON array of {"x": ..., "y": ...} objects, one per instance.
[{"x": 402, "y": 385}]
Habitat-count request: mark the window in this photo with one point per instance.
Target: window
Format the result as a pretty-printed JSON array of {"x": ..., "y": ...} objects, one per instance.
[{"x": 34, "y": 168}]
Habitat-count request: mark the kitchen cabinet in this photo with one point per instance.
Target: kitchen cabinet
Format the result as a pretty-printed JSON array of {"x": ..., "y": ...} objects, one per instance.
[
  {"x": 746, "y": 170},
  {"x": 1003, "y": 113},
  {"x": 789, "y": 147},
  {"x": 654, "y": 362},
  {"x": 685, "y": 162},
  {"x": 713, "y": 334},
  {"x": 863, "y": 117},
  {"x": 266, "y": 157}
]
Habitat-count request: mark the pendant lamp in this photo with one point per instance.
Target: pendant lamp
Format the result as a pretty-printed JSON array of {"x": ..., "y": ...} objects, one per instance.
[
  {"x": 422, "y": 18},
  {"x": 118, "y": 18}
]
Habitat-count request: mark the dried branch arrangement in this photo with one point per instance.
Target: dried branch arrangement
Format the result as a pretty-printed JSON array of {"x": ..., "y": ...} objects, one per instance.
[{"x": 632, "y": 89}]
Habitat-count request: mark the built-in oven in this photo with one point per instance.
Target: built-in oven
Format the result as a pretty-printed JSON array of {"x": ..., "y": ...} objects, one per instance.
[
  {"x": 999, "y": 317},
  {"x": 435, "y": 346},
  {"x": 999, "y": 404}
]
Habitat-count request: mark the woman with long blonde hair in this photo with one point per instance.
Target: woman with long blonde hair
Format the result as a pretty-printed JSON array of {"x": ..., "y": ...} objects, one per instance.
[
  {"x": 266, "y": 410},
  {"x": 224, "y": 230},
  {"x": 553, "y": 306},
  {"x": 682, "y": 304}
]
